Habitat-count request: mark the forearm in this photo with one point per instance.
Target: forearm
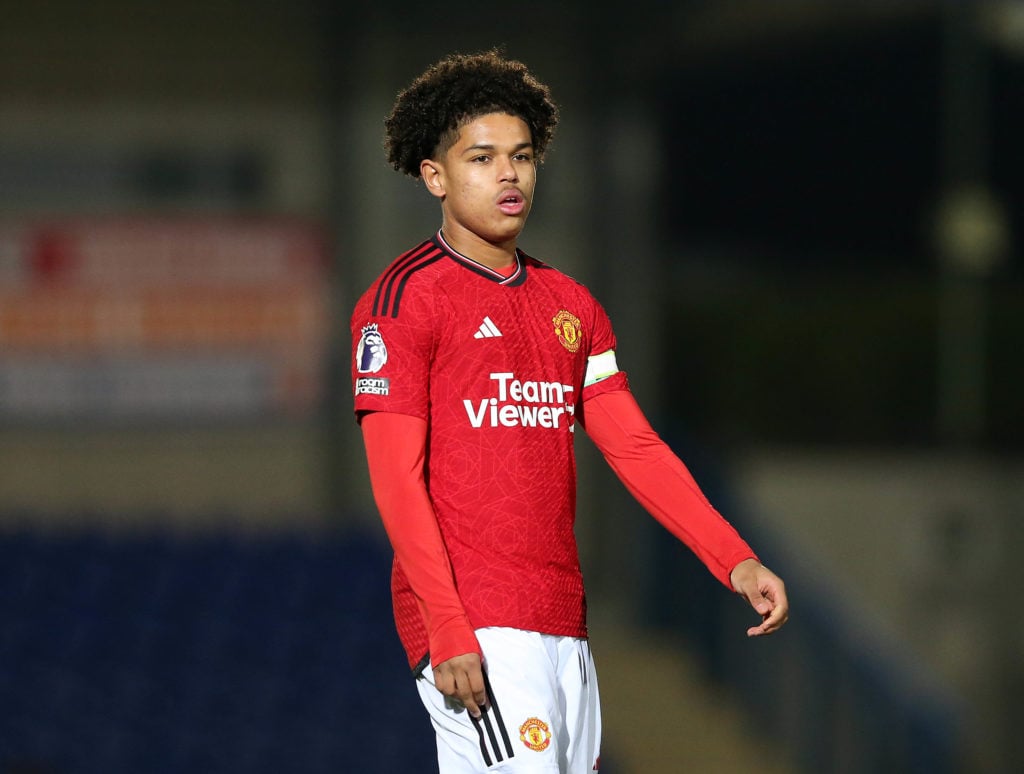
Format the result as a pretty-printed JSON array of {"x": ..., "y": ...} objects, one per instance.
[
  {"x": 395, "y": 451},
  {"x": 661, "y": 483}
]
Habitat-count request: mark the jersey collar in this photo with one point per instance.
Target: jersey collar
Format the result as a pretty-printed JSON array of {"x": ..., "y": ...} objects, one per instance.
[{"x": 517, "y": 277}]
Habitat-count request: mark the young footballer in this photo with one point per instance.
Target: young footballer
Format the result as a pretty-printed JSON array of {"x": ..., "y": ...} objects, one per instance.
[{"x": 474, "y": 365}]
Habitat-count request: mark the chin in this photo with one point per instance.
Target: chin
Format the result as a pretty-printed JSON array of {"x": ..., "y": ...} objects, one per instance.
[{"x": 508, "y": 233}]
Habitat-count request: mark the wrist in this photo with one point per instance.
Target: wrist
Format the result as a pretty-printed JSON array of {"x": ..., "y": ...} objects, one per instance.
[{"x": 744, "y": 567}]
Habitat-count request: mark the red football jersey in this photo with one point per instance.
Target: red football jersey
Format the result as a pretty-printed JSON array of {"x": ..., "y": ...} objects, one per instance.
[{"x": 496, "y": 366}]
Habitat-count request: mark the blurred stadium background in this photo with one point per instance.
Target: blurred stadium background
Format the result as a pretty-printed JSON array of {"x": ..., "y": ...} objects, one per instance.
[{"x": 804, "y": 218}]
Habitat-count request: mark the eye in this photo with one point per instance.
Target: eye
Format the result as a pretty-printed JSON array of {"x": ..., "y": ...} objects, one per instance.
[
  {"x": 480, "y": 159},
  {"x": 523, "y": 157}
]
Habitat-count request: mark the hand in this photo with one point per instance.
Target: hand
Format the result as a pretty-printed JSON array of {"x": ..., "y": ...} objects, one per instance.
[
  {"x": 462, "y": 678},
  {"x": 765, "y": 592}
]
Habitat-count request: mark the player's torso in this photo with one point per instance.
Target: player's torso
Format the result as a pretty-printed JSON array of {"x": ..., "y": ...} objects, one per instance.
[
  {"x": 498, "y": 372},
  {"x": 508, "y": 357},
  {"x": 506, "y": 377}
]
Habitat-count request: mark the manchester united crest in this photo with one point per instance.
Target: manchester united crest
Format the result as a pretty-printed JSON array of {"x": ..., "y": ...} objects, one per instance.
[
  {"x": 535, "y": 734},
  {"x": 568, "y": 330}
]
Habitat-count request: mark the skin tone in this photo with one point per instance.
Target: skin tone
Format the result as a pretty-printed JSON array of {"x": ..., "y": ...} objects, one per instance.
[
  {"x": 765, "y": 592},
  {"x": 485, "y": 182}
]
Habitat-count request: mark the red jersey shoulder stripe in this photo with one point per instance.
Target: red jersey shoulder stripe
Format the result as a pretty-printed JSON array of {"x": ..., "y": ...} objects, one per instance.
[{"x": 388, "y": 297}]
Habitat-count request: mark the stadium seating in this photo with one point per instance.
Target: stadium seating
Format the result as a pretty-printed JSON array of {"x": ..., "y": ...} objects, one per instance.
[{"x": 166, "y": 654}]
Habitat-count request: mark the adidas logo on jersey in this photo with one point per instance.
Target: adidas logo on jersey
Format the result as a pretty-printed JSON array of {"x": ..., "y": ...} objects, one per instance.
[{"x": 488, "y": 330}]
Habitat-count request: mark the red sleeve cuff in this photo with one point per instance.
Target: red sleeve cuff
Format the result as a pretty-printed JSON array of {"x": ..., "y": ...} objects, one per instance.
[{"x": 454, "y": 637}]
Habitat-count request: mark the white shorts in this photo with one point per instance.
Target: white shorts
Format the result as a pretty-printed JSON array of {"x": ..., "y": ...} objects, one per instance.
[{"x": 544, "y": 713}]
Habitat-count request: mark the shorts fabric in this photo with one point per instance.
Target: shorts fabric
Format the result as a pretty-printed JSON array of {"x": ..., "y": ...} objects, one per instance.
[{"x": 544, "y": 712}]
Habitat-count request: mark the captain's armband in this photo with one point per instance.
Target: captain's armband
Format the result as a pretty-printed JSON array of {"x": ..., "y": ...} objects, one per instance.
[{"x": 600, "y": 367}]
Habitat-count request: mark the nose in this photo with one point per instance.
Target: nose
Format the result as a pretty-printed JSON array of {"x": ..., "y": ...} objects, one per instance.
[{"x": 507, "y": 171}]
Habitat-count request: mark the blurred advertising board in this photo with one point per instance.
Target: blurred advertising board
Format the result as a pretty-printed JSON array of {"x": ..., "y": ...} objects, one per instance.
[{"x": 170, "y": 318}]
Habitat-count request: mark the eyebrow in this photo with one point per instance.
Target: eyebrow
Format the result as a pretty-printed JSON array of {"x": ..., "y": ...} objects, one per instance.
[{"x": 486, "y": 147}]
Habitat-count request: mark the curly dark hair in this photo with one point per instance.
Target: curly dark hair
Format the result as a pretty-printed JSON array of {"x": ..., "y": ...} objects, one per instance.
[{"x": 427, "y": 115}]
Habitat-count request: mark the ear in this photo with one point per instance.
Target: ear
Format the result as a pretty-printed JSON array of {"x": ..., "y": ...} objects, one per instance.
[{"x": 433, "y": 177}]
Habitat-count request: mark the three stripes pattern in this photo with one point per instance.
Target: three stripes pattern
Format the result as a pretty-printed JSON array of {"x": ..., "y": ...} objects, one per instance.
[
  {"x": 485, "y": 729},
  {"x": 388, "y": 298}
]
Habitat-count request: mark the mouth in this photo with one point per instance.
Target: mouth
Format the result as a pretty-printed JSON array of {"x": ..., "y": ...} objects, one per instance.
[{"x": 512, "y": 201}]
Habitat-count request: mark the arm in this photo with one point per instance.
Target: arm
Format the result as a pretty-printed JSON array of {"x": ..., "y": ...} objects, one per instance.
[
  {"x": 660, "y": 482},
  {"x": 395, "y": 452}
]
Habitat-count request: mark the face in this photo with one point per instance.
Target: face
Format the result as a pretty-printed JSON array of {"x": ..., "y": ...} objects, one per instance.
[{"x": 485, "y": 182}]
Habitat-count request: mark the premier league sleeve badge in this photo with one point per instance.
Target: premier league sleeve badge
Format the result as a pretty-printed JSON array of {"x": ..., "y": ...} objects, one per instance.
[{"x": 371, "y": 354}]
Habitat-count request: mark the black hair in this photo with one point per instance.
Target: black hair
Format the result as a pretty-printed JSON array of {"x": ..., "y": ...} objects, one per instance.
[{"x": 427, "y": 115}]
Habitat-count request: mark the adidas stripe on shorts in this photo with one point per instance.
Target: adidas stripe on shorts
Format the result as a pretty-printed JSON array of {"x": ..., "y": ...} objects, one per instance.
[{"x": 544, "y": 713}]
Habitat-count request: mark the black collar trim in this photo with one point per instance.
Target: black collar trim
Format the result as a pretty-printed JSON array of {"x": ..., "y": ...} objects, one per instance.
[{"x": 517, "y": 277}]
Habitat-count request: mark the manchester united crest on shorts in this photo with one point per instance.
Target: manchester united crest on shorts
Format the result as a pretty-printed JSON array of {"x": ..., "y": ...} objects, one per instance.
[
  {"x": 535, "y": 734},
  {"x": 568, "y": 329}
]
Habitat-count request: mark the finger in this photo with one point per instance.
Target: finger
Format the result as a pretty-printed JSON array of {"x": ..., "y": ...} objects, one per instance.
[
  {"x": 778, "y": 617},
  {"x": 478, "y": 687},
  {"x": 444, "y": 682},
  {"x": 757, "y": 599},
  {"x": 471, "y": 699},
  {"x": 762, "y": 604},
  {"x": 772, "y": 622},
  {"x": 466, "y": 697}
]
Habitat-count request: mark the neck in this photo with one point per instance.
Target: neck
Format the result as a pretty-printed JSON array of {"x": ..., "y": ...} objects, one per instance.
[{"x": 493, "y": 255}]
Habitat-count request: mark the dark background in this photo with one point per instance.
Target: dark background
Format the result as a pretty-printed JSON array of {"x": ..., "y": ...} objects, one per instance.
[{"x": 805, "y": 221}]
